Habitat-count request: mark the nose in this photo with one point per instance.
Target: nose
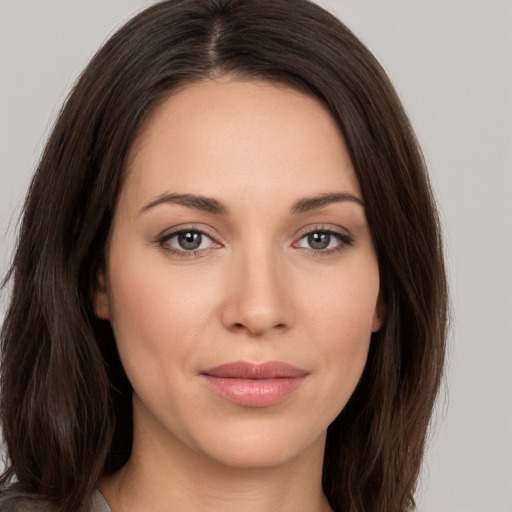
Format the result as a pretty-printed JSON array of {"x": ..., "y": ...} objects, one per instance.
[{"x": 259, "y": 298}]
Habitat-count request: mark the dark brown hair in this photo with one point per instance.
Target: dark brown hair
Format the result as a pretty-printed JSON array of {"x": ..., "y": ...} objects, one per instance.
[{"x": 65, "y": 401}]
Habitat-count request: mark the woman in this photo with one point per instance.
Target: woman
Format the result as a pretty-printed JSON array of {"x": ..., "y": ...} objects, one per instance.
[{"x": 228, "y": 291}]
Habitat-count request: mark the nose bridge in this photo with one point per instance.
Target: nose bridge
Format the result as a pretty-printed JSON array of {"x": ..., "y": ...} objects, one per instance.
[{"x": 259, "y": 301}]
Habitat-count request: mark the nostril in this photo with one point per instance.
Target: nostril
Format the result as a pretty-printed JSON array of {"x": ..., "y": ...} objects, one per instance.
[
  {"x": 256, "y": 330},
  {"x": 256, "y": 313}
]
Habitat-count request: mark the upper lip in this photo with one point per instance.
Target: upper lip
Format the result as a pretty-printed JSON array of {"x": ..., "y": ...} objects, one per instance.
[{"x": 247, "y": 370}]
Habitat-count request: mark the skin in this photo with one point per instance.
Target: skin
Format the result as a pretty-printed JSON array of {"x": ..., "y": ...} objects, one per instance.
[{"x": 255, "y": 290}]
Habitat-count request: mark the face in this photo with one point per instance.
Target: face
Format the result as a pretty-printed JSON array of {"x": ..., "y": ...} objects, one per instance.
[{"x": 241, "y": 278}]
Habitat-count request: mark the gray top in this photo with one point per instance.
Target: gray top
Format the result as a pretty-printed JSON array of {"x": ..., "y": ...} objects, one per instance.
[{"x": 96, "y": 504}]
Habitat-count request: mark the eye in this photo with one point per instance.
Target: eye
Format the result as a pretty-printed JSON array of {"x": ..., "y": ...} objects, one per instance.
[
  {"x": 187, "y": 240},
  {"x": 323, "y": 240}
]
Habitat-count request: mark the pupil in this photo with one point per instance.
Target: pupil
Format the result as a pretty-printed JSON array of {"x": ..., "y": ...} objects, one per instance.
[
  {"x": 319, "y": 240},
  {"x": 189, "y": 240}
]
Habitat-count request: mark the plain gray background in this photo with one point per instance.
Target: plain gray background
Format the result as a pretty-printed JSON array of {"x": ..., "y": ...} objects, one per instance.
[{"x": 451, "y": 62}]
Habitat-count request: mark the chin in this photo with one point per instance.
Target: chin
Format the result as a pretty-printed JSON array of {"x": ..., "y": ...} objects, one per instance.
[{"x": 260, "y": 445}]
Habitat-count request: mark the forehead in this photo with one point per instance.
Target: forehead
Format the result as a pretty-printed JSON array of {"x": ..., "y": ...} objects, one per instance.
[{"x": 228, "y": 137}]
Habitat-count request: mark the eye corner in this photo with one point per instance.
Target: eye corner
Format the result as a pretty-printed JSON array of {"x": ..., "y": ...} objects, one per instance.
[
  {"x": 187, "y": 242},
  {"x": 321, "y": 240}
]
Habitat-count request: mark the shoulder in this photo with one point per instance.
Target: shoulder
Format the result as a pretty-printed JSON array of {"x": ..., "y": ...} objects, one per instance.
[{"x": 25, "y": 505}]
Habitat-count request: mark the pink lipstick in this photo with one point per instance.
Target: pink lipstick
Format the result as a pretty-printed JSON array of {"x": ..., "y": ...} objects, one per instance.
[{"x": 254, "y": 385}]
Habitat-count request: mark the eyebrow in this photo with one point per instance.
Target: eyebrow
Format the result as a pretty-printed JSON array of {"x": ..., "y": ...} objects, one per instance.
[
  {"x": 316, "y": 202},
  {"x": 203, "y": 203},
  {"x": 208, "y": 204}
]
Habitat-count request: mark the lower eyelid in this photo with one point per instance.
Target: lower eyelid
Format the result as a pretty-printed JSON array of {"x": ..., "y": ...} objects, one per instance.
[
  {"x": 164, "y": 242},
  {"x": 343, "y": 238},
  {"x": 173, "y": 249}
]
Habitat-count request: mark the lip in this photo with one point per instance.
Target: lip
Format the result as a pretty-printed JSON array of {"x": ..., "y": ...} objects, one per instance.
[{"x": 252, "y": 384}]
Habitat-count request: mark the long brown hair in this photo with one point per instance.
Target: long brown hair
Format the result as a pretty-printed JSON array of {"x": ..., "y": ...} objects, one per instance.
[{"x": 65, "y": 400}]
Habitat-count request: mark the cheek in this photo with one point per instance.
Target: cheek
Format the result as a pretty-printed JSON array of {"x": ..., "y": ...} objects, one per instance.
[
  {"x": 156, "y": 316},
  {"x": 342, "y": 304},
  {"x": 340, "y": 317}
]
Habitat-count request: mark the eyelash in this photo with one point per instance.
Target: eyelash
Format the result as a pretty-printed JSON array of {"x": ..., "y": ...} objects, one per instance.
[
  {"x": 164, "y": 243},
  {"x": 343, "y": 239}
]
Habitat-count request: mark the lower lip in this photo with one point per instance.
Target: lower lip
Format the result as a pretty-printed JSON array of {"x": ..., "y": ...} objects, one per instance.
[{"x": 254, "y": 392}]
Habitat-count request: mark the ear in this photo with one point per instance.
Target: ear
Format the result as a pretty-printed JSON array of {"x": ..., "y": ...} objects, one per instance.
[
  {"x": 379, "y": 315},
  {"x": 101, "y": 303}
]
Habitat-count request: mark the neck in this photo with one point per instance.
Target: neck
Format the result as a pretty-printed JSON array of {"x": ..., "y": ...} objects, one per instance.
[{"x": 165, "y": 474}]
